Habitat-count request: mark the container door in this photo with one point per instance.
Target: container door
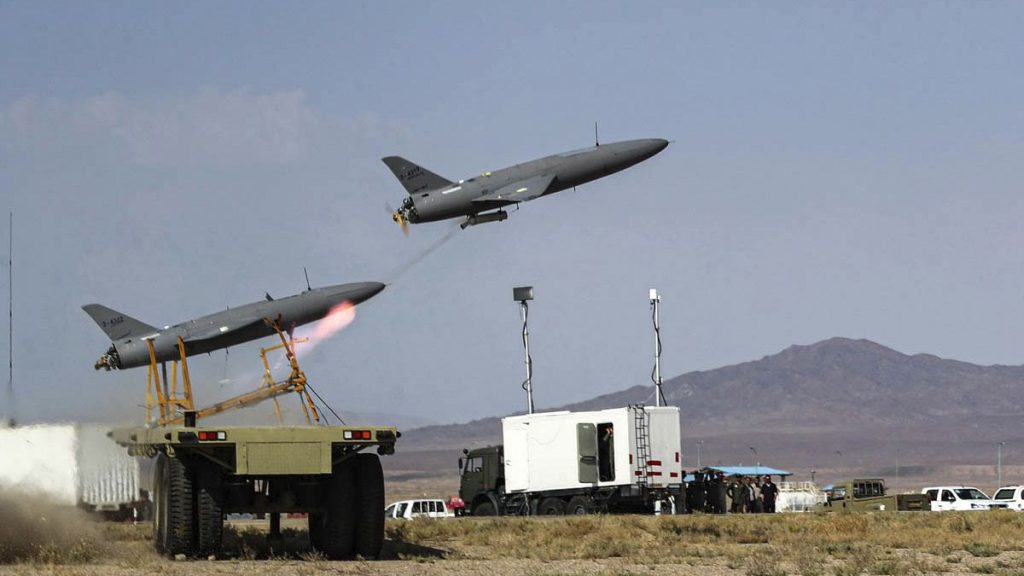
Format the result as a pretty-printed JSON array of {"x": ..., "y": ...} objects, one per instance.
[{"x": 586, "y": 449}]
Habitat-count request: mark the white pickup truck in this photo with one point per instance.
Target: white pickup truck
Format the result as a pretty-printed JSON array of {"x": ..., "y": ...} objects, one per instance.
[
  {"x": 1011, "y": 496},
  {"x": 959, "y": 498}
]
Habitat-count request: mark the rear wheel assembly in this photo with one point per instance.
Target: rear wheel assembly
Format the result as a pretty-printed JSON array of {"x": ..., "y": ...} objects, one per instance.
[
  {"x": 175, "y": 511},
  {"x": 551, "y": 507},
  {"x": 369, "y": 508},
  {"x": 578, "y": 506},
  {"x": 209, "y": 509},
  {"x": 340, "y": 520}
]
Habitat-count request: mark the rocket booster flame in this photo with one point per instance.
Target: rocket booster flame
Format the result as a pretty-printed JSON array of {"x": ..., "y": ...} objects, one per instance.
[
  {"x": 336, "y": 320},
  {"x": 338, "y": 317}
]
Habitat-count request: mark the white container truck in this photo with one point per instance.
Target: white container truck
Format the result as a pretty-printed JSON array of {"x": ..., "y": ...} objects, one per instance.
[
  {"x": 72, "y": 464},
  {"x": 616, "y": 460}
]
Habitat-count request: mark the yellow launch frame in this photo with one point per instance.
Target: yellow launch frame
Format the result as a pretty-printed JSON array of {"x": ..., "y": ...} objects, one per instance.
[{"x": 162, "y": 393}]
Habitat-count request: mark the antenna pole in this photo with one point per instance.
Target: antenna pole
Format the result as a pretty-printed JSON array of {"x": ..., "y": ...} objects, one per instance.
[
  {"x": 596, "y": 141},
  {"x": 528, "y": 383},
  {"x": 307, "y": 277},
  {"x": 656, "y": 375},
  {"x": 10, "y": 318},
  {"x": 524, "y": 294}
]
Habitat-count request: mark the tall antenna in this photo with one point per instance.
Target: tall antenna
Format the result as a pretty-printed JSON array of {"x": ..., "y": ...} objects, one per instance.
[
  {"x": 307, "y": 278},
  {"x": 524, "y": 294},
  {"x": 659, "y": 398},
  {"x": 596, "y": 141},
  {"x": 10, "y": 318}
]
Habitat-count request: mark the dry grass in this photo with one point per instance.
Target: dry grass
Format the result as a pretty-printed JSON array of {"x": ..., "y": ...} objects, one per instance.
[
  {"x": 897, "y": 544},
  {"x": 834, "y": 535},
  {"x": 894, "y": 544}
]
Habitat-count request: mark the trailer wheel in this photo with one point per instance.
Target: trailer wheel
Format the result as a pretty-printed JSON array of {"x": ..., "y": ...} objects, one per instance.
[
  {"x": 179, "y": 533},
  {"x": 484, "y": 509},
  {"x": 578, "y": 506},
  {"x": 159, "y": 505},
  {"x": 316, "y": 530},
  {"x": 551, "y": 506},
  {"x": 340, "y": 524},
  {"x": 370, "y": 507},
  {"x": 210, "y": 509}
]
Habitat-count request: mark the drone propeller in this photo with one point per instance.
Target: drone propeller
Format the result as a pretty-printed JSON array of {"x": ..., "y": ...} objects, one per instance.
[{"x": 399, "y": 218}]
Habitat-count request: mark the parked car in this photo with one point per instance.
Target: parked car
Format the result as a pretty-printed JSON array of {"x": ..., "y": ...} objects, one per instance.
[
  {"x": 430, "y": 508},
  {"x": 1011, "y": 496},
  {"x": 871, "y": 494},
  {"x": 946, "y": 498}
]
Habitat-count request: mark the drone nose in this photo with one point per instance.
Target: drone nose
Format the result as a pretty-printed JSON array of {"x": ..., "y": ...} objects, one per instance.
[{"x": 656, "y": 145}]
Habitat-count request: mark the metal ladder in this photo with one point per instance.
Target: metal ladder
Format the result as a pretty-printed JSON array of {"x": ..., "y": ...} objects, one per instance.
[{"x": 642, "y": 426}]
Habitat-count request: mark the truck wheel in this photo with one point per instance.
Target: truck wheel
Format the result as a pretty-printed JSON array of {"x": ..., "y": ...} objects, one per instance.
[
  {"x": 340, "y": 524},
  {"x": 551, "y": 507},
  {"x": 370, "y": 507},
  {"x": 484, "y": 509},
  {"x": 210, "y": 509},
  {"x": 179, "y": 534},
  {"x": 578, "y": 506},
  {"x": 316, "y": 530},
  {"x": 159, "y": 505}
]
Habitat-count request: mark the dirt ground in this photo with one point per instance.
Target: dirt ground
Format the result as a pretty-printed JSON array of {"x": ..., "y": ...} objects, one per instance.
[
  {"x": 126, "y": 550},
  {"x": 138, "y": 558}
]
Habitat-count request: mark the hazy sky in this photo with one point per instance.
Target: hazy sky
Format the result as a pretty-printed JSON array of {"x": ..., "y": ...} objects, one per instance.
[{"x": 837, "y": 169}]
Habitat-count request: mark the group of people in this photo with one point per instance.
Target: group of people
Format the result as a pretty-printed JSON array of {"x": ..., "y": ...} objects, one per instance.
[{"x": 711, "y": 492}]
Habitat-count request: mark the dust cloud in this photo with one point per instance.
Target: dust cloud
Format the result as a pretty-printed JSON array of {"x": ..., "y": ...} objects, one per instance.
[{"x": 33, "y": 529}]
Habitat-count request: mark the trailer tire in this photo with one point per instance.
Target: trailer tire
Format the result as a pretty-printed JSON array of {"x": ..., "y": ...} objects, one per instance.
[
  {"x": 340, "y": 524},
  {"x": 370, "y": 507},
  {"x": 209, "y": 509},
  {"x": 551, "y": 506},
  {"x": 159, "y": 505},
  {"x": 179, "y": 535},
  {"x": 484, "y": 509},
  {"x": 578, "y": 506},
  {"x": 317, "y": 528}
]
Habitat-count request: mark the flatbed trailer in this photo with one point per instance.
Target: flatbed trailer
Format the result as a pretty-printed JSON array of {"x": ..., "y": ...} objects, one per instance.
[{"x": 205, "y": 472}]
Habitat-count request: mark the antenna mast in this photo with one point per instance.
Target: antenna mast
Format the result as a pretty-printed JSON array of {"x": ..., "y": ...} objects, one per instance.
[
  {"x": 10, "y": 319},
  {"x": 659, "y": 398},
  {"x": 524, "y": 294}
]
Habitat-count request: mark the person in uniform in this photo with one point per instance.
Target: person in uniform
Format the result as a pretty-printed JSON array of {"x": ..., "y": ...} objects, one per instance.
[
  {"x": 769, "y": 494},
  {"x": 734, "y": 492},
  {"x": 719, "y": 493}
]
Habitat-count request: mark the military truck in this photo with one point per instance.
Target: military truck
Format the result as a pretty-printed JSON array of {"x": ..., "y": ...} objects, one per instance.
[
  {"x": 870, "y": 494},
  {"x": 203, "y": 473},
  {"x": 617, "y": 460}
]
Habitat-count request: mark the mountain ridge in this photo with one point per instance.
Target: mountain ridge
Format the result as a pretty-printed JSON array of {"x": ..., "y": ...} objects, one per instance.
[{"x": 837, "y": 403}]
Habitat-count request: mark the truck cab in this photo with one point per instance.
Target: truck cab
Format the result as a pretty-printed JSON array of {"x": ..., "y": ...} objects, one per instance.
[
  {"x": 959, "y": 498},
  {"x": 482, "y": 479}
]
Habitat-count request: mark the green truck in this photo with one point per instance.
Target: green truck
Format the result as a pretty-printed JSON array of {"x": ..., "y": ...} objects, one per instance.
[
  {"x": 862, "y": 494},
  {"x": 327, "y": 472}
]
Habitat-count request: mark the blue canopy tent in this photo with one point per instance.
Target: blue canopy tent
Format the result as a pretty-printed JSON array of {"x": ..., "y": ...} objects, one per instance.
[{"x": 745, "y": 471}]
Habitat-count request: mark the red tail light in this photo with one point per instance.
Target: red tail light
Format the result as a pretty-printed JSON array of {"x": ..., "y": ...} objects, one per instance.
[{"x": 358, "y": 435}]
